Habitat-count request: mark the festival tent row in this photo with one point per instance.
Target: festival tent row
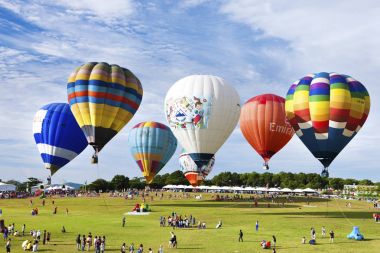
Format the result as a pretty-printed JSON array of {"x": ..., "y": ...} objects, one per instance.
[
  {"x": 215, "y": 188},
  {"x": 7, "y": 187}
]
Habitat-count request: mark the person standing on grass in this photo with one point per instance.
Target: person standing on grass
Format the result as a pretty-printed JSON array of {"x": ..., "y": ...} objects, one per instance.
[
  {"x": 8, "y": 245},
  {"x": 150, "y": 250},
  {"x": 332, "y": 235},
  {"x": 78, "y": 241},
  {"x": 140, "y": 249},
  {"x": 122, "y": 249},
  {"x": 83, "y": 242},
  {"x": 48, "y": 236},
  {"x": 257, "y": 226},
  {"x": 274, "y": 241},
  {"x": 102, "y": 247},
  {"x": 104, "y": 242},
  {"x": 240, "y": 236},
  {"x": 160, "y": 249},
  {"x": 323, "y": 231},
  {"x": 23, "y": 229},
  {"x": 132, "y": 248},
  {"x": 44, "y": 238},
  {"x": 123, "y": 222}
]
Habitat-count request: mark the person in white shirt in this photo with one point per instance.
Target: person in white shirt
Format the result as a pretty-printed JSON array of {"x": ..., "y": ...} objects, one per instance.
[{"x": 35, "y": 246}]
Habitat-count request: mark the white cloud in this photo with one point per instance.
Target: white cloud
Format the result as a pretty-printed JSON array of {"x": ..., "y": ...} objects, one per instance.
[{"x": 105, "y": 10}]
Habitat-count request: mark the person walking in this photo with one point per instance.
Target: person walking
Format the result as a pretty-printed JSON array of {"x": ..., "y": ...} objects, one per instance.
[
  {"x": 332, "y": 235},
  {"x": 8, "y": 245},
  {"x": 240, "y": 236},
  {"x": 257, "y": 226},
  {"x": 78, "y": 241},
  {"x": 123, "y": 221}
]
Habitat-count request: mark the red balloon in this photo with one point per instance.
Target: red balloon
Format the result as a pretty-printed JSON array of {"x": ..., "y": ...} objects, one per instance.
[{"x": 264, "y": 125}]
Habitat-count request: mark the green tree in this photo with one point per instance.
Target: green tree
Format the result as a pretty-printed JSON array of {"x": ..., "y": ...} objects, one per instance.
[
  {"x": 100, "y": 185},
  {"x": 176, "y": 178},
  {"x": 120, "y": 182},
  {"x": 137, "y": 183},
  {"x": 336, "y": 183},
  {"x": 365, "y": 182}
]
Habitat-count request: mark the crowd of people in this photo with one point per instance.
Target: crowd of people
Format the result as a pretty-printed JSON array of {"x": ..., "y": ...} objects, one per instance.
[
  {"x": 313, "y": 236},
  {"x": 85, "y": 243},
  {"x": 178, "y": 221},
  {"x": 140, "y": 249},
  {"x": 37, "y": 236}
]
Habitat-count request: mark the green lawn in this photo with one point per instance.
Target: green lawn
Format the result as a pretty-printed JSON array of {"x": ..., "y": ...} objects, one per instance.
[{"x": 103, "y": 215}]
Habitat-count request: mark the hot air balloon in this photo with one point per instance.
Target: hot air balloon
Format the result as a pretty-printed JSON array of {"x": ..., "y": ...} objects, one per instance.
[
  {"x": 191, "y": 171},
  {"x": 326, "y": 110},
  {"x": 152, "y": 144},
  {"x": 202, "y": 111},
  {"x": 264, "y": 125},
  {"x": 58, "y": 137},
  {"x": 103, "y": 99}
]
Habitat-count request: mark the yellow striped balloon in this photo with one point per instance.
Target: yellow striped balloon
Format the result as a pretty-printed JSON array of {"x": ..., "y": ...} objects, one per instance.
[{"x": 103, "y": 99}]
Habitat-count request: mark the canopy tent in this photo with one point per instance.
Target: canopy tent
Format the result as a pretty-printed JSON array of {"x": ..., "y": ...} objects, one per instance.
[
  {"x": 7, "y": 187},
  {"x": 59, "y": 187},
  {"x": 286, "y": 190},
  {"x": 308, "y": 190},
  {"x": 215, "y": 188}
]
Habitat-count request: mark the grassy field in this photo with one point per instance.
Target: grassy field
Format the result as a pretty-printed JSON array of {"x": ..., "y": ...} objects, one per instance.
[{"x": 103, "y": 215}]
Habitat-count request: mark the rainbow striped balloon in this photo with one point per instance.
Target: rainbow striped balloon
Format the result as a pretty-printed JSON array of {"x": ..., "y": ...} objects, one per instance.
[
  {"x": 326, "y": 110},
  {"x": 152, "y": 144},
  {"x": 103, "y": 99}
]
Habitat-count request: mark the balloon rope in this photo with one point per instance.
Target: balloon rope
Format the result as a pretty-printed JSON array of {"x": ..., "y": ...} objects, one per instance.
[
  {"x": 344, "y": 215},
  {"x": 98, "y": 171}
]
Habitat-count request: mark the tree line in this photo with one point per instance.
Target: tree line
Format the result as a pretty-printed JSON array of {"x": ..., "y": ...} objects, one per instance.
[{"x": 254, "y": 179}]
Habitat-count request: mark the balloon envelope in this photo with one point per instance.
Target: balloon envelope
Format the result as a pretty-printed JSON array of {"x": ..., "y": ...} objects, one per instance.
[
  {"x": 103, "y": 99},
  {"x": 58, "y": 137},
  {"x": 152, "y": 144},
  {"x": 264, "y": 125},
  {"x": 202, "y": 111},
  {"x": 191, "y": 171},
  {"x": 326, "y": 110}
]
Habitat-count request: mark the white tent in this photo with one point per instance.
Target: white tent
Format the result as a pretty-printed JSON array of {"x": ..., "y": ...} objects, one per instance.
[
  {"x": 298, "y": 191},
  {"x": 286, "y": 190},
  {"x": 273, "y": 190},
  {"x": 308, "y": 190},
  {"x": 7, "y": 187}
]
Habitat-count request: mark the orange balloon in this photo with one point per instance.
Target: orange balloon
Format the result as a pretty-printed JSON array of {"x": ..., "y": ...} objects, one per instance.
[{"x": 264, "y": 125}]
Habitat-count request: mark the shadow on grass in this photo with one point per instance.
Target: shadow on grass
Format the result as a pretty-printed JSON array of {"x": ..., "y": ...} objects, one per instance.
[
  {"x": 189, "y": 248},
  {"x": 349, "y": 215}
]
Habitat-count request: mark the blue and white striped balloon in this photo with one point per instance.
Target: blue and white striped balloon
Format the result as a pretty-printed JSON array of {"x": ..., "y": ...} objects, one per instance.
[{"x": 58, "y": 136}]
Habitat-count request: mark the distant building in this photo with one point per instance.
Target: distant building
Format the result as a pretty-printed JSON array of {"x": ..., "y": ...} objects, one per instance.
[{"x": 360, "y": 190}]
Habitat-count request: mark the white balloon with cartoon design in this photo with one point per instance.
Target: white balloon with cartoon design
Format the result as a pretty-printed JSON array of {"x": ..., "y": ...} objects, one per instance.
[{"x": 202, "y": 111}]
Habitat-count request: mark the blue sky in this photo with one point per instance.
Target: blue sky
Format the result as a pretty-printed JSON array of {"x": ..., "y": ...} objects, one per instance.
[{"x": 258, "y": 46}]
